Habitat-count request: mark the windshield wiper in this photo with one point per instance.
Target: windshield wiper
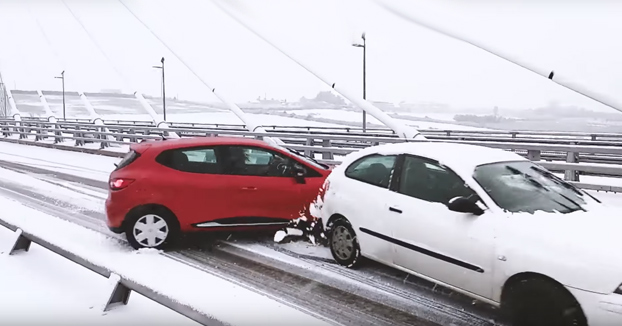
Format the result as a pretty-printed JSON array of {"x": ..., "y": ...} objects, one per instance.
[
  {"x": 540, "y": 186},
  {"x": 563, "y": 183},
  {"x": 529, "y": 178},
  {"x": 573, "y": 201}
]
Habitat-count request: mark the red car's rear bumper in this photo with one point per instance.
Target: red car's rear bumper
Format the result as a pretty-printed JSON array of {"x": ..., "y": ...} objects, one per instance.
[{"x": 115, "y": 213}]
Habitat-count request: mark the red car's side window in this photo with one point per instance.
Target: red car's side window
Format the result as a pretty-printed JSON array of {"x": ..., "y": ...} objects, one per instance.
[
  {"x": 255, "y": 161},
  {"x": 193, "y": 160}
]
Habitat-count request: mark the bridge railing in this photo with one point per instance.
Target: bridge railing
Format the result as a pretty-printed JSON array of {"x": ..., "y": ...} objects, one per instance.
[
  {"x": 120, "y": 293},
  {"x": 514, "y": 135},
  {"x": 574, "y": 154}
]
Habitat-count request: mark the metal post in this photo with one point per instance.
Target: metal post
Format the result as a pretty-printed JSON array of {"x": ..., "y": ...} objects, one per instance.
[
  {"x": 163, "y": 88},
  {"x": 364, "y": 81},
  {"x": 62, "y": 78},
  {"x": 63, "y": 81},
  {"x": 163, "y": 91},
  {"x": 364, "y": 46}
]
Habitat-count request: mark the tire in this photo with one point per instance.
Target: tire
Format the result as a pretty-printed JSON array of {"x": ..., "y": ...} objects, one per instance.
[
  {"x": 164, "y": 230},
  {"x": 541, "y": 302},
  {"x": 344, "y": 244}
]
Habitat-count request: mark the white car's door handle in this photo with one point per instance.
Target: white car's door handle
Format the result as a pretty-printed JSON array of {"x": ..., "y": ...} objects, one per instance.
[{"x": 395, "y": 210}]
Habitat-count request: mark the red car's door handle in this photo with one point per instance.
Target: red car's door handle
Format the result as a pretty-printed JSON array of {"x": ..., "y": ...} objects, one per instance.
[{"x": 249, "y": 188}]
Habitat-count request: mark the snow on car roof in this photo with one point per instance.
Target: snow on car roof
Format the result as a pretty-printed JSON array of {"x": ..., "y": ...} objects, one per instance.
[
  {"x": 453, "y": 155},
  {"x": 200, "y": 141}
]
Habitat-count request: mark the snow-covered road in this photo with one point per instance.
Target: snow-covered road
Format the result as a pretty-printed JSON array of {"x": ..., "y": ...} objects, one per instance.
[
  {"x": 216, "y": 297},
  {"x": 84, "y": 165},
  {"x": 42, "y": 288}
]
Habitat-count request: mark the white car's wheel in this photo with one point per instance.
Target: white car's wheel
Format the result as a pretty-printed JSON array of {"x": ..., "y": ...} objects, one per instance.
[
  {"x": 344, "y": 245},
  {"x": 541, "y": 302},
  {"x": 151, "y": 230}
]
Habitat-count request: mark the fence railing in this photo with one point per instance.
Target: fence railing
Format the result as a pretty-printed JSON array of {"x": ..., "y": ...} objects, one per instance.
[
  {"x": 121, "y": 291},
  {"x": 574, "y": 154},
  {"x": 513, "y": 135}
]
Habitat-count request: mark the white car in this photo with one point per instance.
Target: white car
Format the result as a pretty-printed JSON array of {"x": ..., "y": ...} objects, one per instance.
[{"x": 481, "y": 221}]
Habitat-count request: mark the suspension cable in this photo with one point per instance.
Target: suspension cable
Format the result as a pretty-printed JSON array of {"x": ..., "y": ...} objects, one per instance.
[
  {"x": 60, "y": 60},
  {"x": 90, "y": 36},
  {"x": 418, "y": 20},
  {"x": 167, "y": 46},
  {"x": 250, "y": 125}
]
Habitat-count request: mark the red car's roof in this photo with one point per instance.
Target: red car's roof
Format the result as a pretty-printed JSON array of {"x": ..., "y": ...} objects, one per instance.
[{"x": 198, "y": 141}]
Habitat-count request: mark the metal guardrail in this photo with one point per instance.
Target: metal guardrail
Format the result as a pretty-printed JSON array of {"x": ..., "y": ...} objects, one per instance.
[
  {"x": 121, "y": 291},
  {"x": 357, "y": 131},
  {"x": 571, "y": 153}
]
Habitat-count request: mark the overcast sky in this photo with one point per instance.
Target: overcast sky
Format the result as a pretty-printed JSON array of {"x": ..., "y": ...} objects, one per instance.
[{"x": 578, "y": 39}]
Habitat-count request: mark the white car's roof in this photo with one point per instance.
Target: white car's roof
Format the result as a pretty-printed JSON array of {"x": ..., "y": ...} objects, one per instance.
[{"x": 451, "y": 154}]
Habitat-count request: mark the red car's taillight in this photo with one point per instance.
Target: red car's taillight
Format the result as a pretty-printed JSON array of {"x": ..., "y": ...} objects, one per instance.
[{"x": 119, "y": 183}]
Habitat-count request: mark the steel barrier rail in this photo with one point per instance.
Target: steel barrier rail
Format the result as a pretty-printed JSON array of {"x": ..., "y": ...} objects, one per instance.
[
  {"x": 333, "y": 136},
  {"x": 358, "y": 131},
  {"x": 568, "y": 136},
  {"x": 596, "y": 169},
  {"x": 428, "y": 132},
  {"x": 78, "y": 135},
  {"x": 438, "y": 132},
  {"x": 148, "y": 131},
  {"x": 330, "y": 145},
  {"x": 121, "y": 292},
  {"x": 363, "y": 141}
]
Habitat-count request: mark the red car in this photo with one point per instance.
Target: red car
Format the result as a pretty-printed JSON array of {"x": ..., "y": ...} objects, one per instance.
[{"x": 162, "y": 188}]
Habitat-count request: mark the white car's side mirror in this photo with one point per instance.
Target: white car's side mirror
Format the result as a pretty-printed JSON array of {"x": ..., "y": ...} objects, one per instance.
[{"x": 464, "y": 205}]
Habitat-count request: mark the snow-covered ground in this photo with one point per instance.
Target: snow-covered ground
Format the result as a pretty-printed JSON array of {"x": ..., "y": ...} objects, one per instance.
[
  {"x": 353, "y": 116},
  {"x": 431, "y": 115},
  {"x": 124, "y": 107},
  {"x": 225, "y": 117},
  {"x": 43, "y": 288},
  {"x": 45, "y": 278},
  {"x": 90, "y": 166}
]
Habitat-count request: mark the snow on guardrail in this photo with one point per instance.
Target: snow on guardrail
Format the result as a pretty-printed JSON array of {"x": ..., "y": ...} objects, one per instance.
[{"x": 203, "y": 297}]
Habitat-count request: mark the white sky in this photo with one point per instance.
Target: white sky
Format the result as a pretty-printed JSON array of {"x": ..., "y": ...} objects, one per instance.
[{"x": 579, "y": 39}]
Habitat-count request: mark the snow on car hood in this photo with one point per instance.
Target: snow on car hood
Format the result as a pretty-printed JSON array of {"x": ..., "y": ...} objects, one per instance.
[{"x": 579, "y": 249}]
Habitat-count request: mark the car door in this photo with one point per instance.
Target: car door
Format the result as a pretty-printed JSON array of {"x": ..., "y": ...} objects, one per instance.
[
  {"x": 450, "y": 247},
  {"x": 312, "y": 180},
  {"x": 261, "y": 185},
  {"x": 189, "y": 182},
  {"x": 361, "y": 196}
]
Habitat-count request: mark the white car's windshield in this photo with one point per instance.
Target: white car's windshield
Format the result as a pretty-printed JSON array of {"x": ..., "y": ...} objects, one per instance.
[{"x": 526, "y": 187}]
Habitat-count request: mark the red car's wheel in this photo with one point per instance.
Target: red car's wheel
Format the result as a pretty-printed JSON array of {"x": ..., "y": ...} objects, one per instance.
[{"x": 151, "y": 229}]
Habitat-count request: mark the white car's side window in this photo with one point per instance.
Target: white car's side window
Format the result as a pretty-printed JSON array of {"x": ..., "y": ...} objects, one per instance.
[
  {"x": 431, "y": 182},
  {"x": 373, "y": 169}
]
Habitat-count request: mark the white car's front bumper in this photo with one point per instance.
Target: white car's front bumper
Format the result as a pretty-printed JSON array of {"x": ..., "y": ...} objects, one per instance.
[{"x": 600, "y": 309}]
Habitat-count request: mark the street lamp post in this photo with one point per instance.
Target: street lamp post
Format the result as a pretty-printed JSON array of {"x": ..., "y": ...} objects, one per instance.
[
  {"x": 62, "y": 78},
  {"x": 163, "y": 88},
  {"x": 364, "y": 77}
]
